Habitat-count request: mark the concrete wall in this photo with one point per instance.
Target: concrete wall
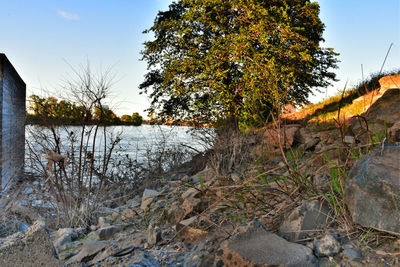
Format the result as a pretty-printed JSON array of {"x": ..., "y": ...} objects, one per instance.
[{"x": 12, "y": 122}]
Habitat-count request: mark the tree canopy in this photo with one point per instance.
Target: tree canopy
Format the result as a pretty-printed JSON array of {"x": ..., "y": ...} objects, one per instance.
[
  {"x": 52, "y": 111},
  {"x": 234, "y": 59}
]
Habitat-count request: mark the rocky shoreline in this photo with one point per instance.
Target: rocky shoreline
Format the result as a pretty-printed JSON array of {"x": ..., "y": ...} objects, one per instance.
[{"x": 194, "y": 220}]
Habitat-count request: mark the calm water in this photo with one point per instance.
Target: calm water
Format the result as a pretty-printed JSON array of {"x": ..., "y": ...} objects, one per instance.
[{"x": 135, "y": 141}]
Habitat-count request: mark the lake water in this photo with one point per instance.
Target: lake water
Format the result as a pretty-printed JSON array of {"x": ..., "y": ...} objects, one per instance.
[{"x": 136, "y": 142}]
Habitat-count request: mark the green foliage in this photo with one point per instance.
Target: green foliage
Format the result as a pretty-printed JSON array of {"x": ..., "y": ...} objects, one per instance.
[
  {"x": 49, "y": 109},
  {"x": 52, "y": 111},
  {"x": 103, "y": 115},
  {"x": 126, "y": 118},
  {"x": 236, "y": 59},
  {"x": 136, "y": 119}
]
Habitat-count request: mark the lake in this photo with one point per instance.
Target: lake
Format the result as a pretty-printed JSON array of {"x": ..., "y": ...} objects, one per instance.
[{"x": 136, "y": 142}]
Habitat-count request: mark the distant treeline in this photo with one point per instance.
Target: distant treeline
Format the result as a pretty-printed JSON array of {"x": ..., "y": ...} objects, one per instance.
[{"x": 50, "y": 110}]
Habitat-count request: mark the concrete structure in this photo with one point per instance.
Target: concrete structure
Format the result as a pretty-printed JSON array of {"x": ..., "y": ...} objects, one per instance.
[{"x": 12, "y": 122}]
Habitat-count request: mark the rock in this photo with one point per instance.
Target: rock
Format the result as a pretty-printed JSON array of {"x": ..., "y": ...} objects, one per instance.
[
  {"x": 286, "y": 135},
  {"x": 89, "y": 250},
  {"x": 30, "y": 248},
  {"x": 307, "y": 139},
  {"x": 132, "y": 203},
  {"x": 25, "y": 213},
  {"x": 310, "y": 143},
  {"x": 189, "y": 205},
  {"x": 142, "y": 258},
  {"x": 189, "y": 221},
  {"x": 326, "y": 262},
  {"x": 69, "y": 246},
  {"x": 394, "y": 132},
  {"x": 11, "y": 226},
  {"x": 311, "y": 215},
  {"x": 103, "y": 222},
  {"x": 391, "y": 81},
  {"x": 372, "y": 190},
  {"x": 327, "y": 138},
  {"x": 348, "y": 139},
  {"x": 255, "y": 246},
  {"x": 352, "y": 254},
  {"x": 64, "y": 235},
  {"x": 81, "y": 231},
  {"x": 190, "y": 193},
  {"x": 131, "y": 241},
  {"x": 190, "y": 234},
  {"x": 128, "y": 214},
  {"x": 175, "y": 213},
  {"x": 147, "y": 198},
  {"x": 327, "y": 246},
  {"x": 65, "y": 255},
  {"x": 153, "y": 235},
  {"x": 385, "y": 110},
  {"x": 108, "y": 232}
]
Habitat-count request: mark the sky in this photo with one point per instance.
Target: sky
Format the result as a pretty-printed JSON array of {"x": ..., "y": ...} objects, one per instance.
[{"x": 44, "y": 38}]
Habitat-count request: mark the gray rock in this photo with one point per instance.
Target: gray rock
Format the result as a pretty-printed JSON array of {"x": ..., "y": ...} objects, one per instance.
[
  {"x": 143, "y": 259},
  {"x": 108, "y": 232},
  {"x": 30, "y": 248},
  {"x": 348, "y": 139},
  {"x": 81, "y": 231},
  {"x": 372, "y": 191},
  {"x": 352, "y": 254},
  {"x": 147, "y": 198},
  {"x": 132, "y": 203},
  {"x": 69, "y": 246},
  {"x": 128, "y": 214},
  {"x": 255, "y": 246},
  {"x": 153, "y": 235},
  {"x": 65, "y": 255},
  {"x": 325, "y": 262},
  {"x": 89, "y": 250},
  {"x": 189, "y": 221},
  {"x": 105, "y": 233},
  {"x": 63, "y": 236},
  {"x": 103, "y": 222},
  {"x": 310, "y": 143},
  {"x": 311, "y": 215},
  {"x": 327, "y": 246}
]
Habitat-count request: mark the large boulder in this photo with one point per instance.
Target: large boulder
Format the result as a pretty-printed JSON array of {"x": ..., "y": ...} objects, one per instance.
[
  {"x": 306, "y": 219},
  {"x": 30, "y": 248},
  {"x": 372, "y": 191},
  {"x": 255, "y": 246}
]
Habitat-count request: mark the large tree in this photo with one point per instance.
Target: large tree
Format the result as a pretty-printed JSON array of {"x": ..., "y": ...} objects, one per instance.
[{"x": 235, "y": 59}]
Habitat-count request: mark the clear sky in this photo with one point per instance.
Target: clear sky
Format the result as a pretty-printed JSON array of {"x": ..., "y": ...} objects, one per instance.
[{"x": 42, "y": 37}]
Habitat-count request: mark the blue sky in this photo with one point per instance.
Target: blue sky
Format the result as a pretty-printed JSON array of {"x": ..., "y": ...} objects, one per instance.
[{"x": 42, "y": 37}]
